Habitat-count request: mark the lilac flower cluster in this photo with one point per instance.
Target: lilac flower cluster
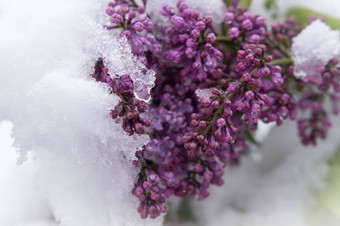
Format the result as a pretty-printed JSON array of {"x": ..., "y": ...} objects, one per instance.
[
  {"x": 136, "y": 27},
  {"x": 318, "y": 123},
  {"x": 129, "y": 108},
  {"x": 246, "y": 75},
  {"x": 189, "y": 41},
  {"x": 244, "y": 25},
  {"x": 151, "y": 196}
]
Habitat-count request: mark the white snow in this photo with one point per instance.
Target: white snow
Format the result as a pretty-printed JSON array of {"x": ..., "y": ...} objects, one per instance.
[
  {"x": 203, "y": 94},
  {"x": 61, "y": 115},
  {"x": 313, "y": 48}
]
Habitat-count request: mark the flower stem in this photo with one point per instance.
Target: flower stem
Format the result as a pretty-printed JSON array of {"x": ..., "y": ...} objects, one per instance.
[
  {"x": 223, "y": 38},
  {"x": 283, "y": 61}
]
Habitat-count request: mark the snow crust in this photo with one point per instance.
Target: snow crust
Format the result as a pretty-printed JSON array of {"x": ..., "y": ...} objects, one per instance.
[{"x": 61, "y": 115}]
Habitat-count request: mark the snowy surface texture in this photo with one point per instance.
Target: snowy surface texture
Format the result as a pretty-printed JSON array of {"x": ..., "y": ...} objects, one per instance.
[
  {"x": 310, "y": 58},
  {"x": 213, "y": 8},
  {"x": 60, "y": 114}
]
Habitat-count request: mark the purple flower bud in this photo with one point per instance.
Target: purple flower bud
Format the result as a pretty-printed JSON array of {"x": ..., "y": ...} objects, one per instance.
[
  {"x": 208, "y": 175},
  {"x": 153, "y": 178},
  {"x": 116, "y": 18},
  {"x": 126, "y": 33},
  {"x": 241, "y": 54},
  {"x": 141, "y": 9},
  {"x": 220, "y": 122},
  {"x": 139, "y": 128},
  {"x": 110, "y": 11},
  {"x": 234, "y": 32},
  {"x": 147, "y": 185},
  {"x": 268, "y": 58},
  {"x": 265, "y": 71},
  {"x": 154, "y": 196},
  {"x": 200, "y": 26},
  {"x": 114, "y": 114},
  {"x": 126, "y": 82},
  {"x": 249, "y": 95},
  {"x": 208, "y": 19},
  {"x": 228, "y": 17},
  {"x": 210, "y": 38},
  {"x": 255, "y": 39},
  {"x": 195, "y": 33},
  {"x": 215, "y": 104},
  {"x": 132, "y": 15},
  {"x": 139, "y": 190},
  {"x": 247, "y": 24},
  {"x": 166, "y": 10},
  {"x": 198, "y": 168},
  {"x": 178, "y": 21},
  {"x": 246, "y": 77},
  {"x": 138, "y": 26},
  {"x": 163, "y": 208},
  {"x": 260, "y": 21},
  {"x": 183, "y": 38}
]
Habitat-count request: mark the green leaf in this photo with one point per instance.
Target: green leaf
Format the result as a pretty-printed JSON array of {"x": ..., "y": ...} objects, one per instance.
[
  {"x": 249, "y": 136},
  {"x": 302, "y": 15},
  {"x": 245, "y": 3},
  {"x": 272, "y": 7},
  {"x": 270, "y": 4},
  {"x": 184, "y": 211}
]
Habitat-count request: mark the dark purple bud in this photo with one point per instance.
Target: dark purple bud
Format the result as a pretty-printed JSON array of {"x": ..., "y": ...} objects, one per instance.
[{"x": 139, "y": 128}]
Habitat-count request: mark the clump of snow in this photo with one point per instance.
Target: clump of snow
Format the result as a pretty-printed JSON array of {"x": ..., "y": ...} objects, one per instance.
[
  {"x": 203, "y": 94},
  {"x": 17, "y": 189},
  {"x": 263, "y": 130},
  {"x": 60, "y": 114},
  {"x": 313, "y": 48},
  {"x": 213, "y": 8}
]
